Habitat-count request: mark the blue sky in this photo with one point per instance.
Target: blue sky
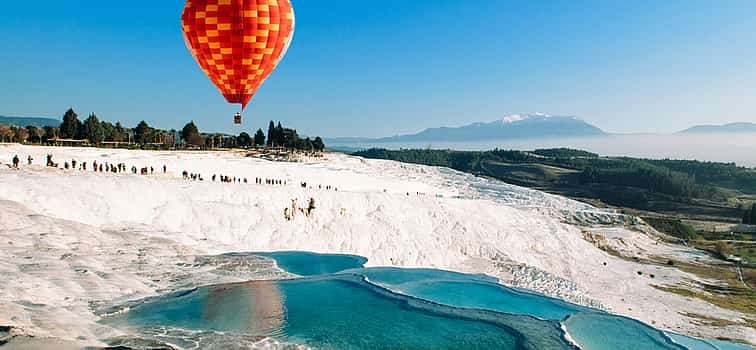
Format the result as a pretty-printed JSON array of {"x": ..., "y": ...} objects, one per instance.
[{"x": 378, "y": 68}]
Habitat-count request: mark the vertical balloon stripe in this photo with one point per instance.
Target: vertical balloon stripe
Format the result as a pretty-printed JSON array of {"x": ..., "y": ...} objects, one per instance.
[{"x": 238, "y": 43}]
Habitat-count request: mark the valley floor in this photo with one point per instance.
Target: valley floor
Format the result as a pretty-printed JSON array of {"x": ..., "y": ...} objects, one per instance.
[{"x": 72, "y": 241}]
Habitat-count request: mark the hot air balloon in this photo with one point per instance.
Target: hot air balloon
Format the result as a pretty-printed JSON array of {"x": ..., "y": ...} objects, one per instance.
[{"x": 238, "y": 43}]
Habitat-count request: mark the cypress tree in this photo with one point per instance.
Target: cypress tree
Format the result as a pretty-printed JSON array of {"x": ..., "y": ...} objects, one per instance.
[
  {"x": 119, "y": 133},
  {"x": 79, "y": 130},
  {"x": 70, "y": 125},
  {"x": 271, "y": 134},
  {"x": 92, "y": 130},
  {"x": 753, "y": 214},
  {"x": 280, "y": 138}
]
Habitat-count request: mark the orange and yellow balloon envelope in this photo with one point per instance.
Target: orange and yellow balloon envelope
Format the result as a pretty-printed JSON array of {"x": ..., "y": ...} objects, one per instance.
[{"x": 238, "y": 43}]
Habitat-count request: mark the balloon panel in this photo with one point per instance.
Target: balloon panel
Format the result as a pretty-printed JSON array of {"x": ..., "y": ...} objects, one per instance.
[{"x": 238, "y": 43}]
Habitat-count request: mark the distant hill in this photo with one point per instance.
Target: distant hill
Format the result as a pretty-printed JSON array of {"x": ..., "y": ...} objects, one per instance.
[
  {"x": 726, "y": 128},
  {"x": 26, "y": 121},
  {"x": 518, "y": 126}
]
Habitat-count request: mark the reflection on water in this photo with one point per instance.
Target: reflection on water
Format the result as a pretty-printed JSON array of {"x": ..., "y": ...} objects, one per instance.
[
  {"x": 258, "y": 304},
  {"x": 255, "y": 307}
]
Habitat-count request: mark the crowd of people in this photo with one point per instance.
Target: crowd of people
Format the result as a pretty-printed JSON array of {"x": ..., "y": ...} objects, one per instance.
[
  {"x": 232, "y": 179},
  {"x": 102, "y": 167},
  {"x": 117, "y": 168},
  {"x": 320, "y": 187}
]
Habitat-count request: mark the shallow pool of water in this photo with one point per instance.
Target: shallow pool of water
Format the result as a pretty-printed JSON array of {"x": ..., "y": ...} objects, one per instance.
[{"x": 336, "y": 312}]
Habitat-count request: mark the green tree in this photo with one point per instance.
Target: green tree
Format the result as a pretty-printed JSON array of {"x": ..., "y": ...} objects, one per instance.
[
  {"x": 108, "y": 130},
  {"x": 289, "y": 138},
  {"x": 142, "y": 133},
  {"x": 244, "y": 139},
  {"x": 318, "y": 144},
  {"x": 35, "y": 133},
  {"x": 49, "y": 133},
  {"x": 308, "y": 145},
  {"x": 190, "y": 133},
  {"x": 753, "y": 214},
  {"x": 280, "y": 139},
  {"x": 259, "y": 138},
  {"x": 271, "y": 134},
  {"x": 70, "y": 126},
  {"x": 92, "y": 130},
  {"x": 119, "y": 133}
]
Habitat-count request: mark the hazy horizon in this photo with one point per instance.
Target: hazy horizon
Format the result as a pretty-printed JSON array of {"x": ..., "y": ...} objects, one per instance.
[
  {"x": 508, "y": 115},
  {"x": 738, "y": 148}
]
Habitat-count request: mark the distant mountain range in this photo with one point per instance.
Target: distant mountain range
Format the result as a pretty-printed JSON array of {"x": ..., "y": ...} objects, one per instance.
[
  {"x": 517, "y": 126},
  {"x": 726, "y": 128},
  {"x": 524, "y": 126},
  {"x": 27, "y": 121}
]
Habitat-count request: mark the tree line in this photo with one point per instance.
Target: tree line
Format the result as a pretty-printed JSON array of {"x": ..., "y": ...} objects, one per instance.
[
  {"x": 279, "y": 136},
  {"x": 97, "y": 132}
]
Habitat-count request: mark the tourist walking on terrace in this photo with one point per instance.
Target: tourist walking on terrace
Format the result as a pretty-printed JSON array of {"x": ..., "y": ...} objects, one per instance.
[
  {"x": 29, "y": 160},
  {"x": 15, "y": 161}
]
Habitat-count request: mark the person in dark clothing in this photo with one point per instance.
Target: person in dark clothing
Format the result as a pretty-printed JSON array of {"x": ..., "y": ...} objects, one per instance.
[
  {"x": 15, "y": 161},
  {"x": 29, "y": 160}
]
